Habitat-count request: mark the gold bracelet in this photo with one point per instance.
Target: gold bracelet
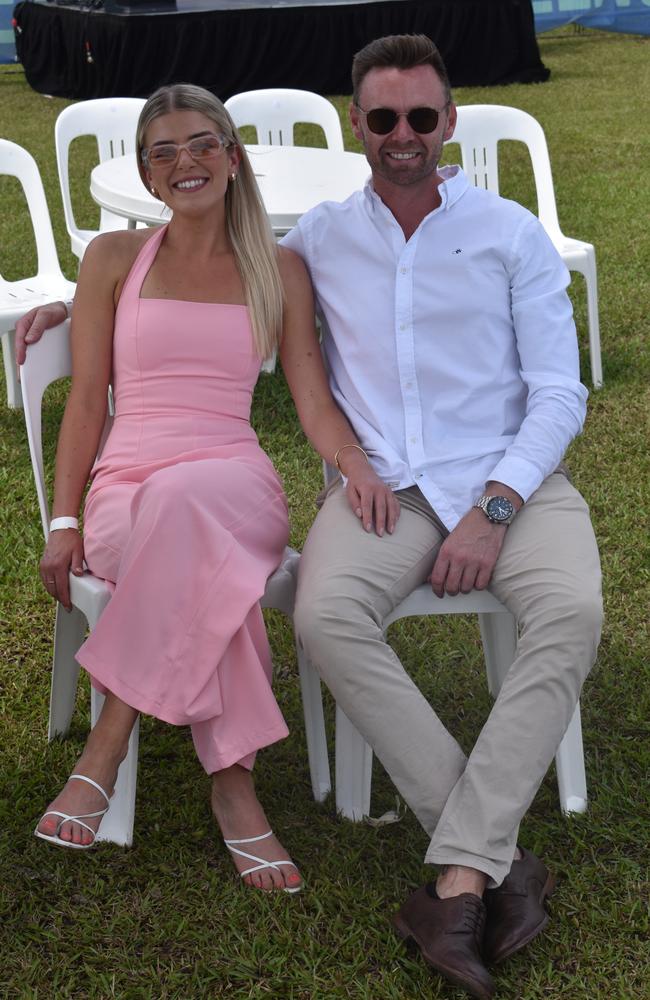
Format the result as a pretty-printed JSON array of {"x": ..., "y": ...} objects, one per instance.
[{"x": 342, "y": 448}]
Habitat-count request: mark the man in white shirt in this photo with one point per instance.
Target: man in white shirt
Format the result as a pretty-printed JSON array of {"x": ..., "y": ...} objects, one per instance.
[{"x": 452, "y": 351}]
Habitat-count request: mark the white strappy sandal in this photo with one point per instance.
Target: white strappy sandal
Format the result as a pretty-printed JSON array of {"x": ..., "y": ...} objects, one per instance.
[
  {"x": 55, "y": 838},
  {"x": 262, "y": 863}
]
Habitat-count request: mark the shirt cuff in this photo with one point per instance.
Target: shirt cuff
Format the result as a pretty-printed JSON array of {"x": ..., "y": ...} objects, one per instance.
[{"x": 519, "y": 475}]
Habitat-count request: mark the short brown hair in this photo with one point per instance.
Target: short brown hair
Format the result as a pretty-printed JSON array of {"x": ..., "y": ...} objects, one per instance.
[{"x": 400, "y": 52}]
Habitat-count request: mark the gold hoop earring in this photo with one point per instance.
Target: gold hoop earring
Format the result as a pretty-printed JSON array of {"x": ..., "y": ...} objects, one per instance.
[{"x": 154, "y": 192}]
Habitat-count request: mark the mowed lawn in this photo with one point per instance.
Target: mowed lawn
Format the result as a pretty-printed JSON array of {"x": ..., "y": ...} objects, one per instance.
[{"x": 167, "y": 918}]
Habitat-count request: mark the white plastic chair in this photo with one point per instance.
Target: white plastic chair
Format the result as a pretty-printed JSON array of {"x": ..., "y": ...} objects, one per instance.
[
  {"x": 479, "y": 129},
  {"x": 48, "y": 284},
  {"x": 112, "y": 121},
  {"x": 353, "y": 756},
  {"x": 274, "y": 113},
  {"x": 47, "y": 361}
]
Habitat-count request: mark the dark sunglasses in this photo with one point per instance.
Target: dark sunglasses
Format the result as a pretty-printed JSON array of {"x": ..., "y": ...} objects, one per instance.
[{"x": 381, "y": 121}]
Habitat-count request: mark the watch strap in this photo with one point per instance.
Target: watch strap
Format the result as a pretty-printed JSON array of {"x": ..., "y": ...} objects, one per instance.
[{"x": 483, "y": 502}]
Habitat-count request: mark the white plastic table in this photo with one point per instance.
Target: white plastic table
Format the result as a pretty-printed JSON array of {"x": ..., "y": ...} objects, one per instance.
[{"x": 292, "y": 179}]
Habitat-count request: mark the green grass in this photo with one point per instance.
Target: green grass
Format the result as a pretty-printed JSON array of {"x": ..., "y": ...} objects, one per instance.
[{"x": 167, "y": 919}]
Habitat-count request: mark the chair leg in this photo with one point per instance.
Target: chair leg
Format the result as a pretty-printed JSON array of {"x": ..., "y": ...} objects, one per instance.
[
  {"x": 591, "y": 279},
  {"x": 14, "y": 395},
  {"x": 570, "y": 767},
  {"x": 312, "y": 705},
  {"x": 117, "y": 825},
  {"x": 69, "y": 632},
  {"x": 585, "y": 264},
  {"x": 499, "y": 635},
  {"x": 353, "y": 769}
]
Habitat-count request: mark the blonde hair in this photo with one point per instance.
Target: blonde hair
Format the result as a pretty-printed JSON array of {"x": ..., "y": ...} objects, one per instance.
[{"x": 247, "y": 224}]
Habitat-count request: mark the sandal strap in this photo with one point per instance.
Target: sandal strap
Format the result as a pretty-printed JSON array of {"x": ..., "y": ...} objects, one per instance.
[
  {"x": 266, "y": 864},
  {"x": 89, "y": 781},
  {"x": 258, "y": 868},
  {"x": 65, "y": 818},
  {"x": 79, "y": 820},
  {"x": 261, "y": 862},
  {"x": 249, "y": 840}
]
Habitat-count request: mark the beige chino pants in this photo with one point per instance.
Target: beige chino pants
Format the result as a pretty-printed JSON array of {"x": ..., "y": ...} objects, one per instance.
[{"x": 547, "y": 575}]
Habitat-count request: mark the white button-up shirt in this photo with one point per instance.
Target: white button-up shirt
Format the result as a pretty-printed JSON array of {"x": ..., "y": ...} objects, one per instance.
[{"x": 452, "y": 354}]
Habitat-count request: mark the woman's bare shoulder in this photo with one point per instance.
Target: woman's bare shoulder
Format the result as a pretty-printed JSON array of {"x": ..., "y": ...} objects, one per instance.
[
  {"x": 117, "y": 250},
  {"x": 110, "y": 256}
]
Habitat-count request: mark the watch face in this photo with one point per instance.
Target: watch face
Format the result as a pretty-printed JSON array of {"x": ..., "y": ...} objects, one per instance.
[{"x": 499, "y": 509}]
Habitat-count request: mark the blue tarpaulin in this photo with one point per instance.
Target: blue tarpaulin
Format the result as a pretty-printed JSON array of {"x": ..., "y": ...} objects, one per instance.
[
  {"x": 7, "y": 50},
  {"x": 632, "y": 16}
]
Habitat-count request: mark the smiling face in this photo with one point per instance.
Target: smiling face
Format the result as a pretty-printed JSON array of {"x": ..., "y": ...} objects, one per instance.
[
  {"x": 190, "y": 183},
  {"x": 403, "y": 157}
]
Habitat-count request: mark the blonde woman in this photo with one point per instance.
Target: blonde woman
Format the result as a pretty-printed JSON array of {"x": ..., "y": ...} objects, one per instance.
[{"x": 185, "y": 513}]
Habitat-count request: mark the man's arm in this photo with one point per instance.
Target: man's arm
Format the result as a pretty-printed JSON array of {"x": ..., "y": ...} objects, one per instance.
[
  {"x": 33, "y": 325},
  {"x": 549, "y": 366},
  {"x": 555, "y": 409}
]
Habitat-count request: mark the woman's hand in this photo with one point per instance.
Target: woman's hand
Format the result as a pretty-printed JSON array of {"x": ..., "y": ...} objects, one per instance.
[
  {"x": 33, "y": 325},
  {"x": 372, "y": 501},
  {"x": 63, "y": 554}
]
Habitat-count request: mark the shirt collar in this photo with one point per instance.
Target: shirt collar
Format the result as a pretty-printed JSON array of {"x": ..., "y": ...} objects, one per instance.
[{"x": 453, "y": 185}]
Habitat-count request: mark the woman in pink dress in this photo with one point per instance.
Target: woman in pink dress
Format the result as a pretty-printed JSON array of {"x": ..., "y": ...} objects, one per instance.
[{"x": 185, "y": 514}]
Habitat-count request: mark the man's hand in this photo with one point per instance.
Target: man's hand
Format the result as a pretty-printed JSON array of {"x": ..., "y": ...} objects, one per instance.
[
  {"x": 468, "y": 555},
  {"x": 63, "y": 554},
  {"x": 33, "y": 325}
]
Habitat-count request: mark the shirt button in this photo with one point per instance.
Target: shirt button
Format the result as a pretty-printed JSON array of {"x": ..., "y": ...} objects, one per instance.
[
  {"x": 402, "y": 326},
  {"x": 413, "y": 440},
  {"x": 403, "y": 270},
  {"x": 408, "y": 385}
]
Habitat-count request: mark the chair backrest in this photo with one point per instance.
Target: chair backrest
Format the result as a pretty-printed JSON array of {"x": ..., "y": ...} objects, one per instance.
[
  {"x": 17, "y": 162},
  {"x": 47, "y": 360},
  {"x": 112, "y": 121},
  {"x": 478, "y": 131},
  {"x": 274, "y": 113}
]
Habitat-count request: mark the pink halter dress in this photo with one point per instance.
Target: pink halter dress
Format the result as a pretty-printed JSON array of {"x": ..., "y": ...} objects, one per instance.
[{"x": 187, "y": 517}]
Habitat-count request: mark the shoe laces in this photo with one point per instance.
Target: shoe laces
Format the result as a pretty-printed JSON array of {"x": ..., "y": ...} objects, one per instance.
[{"x": 473, "y": 915}]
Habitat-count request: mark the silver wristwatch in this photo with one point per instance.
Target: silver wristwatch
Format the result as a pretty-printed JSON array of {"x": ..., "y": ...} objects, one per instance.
[{"x": 499, "y": 510}]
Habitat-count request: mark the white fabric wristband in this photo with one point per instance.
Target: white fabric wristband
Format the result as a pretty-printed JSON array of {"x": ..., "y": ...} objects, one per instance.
[
  {"x": 68, "y": 307},
  {"x": 59, "y": 523}
]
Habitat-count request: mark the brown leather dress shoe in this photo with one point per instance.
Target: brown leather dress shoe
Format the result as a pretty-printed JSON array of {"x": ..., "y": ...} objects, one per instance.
[
  {"x": 515, "y": 911},
  {"x": 449, "y": 934}
]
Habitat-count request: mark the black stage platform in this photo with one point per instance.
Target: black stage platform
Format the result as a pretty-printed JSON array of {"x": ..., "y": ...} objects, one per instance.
[{"x": 106, "y": 50}]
